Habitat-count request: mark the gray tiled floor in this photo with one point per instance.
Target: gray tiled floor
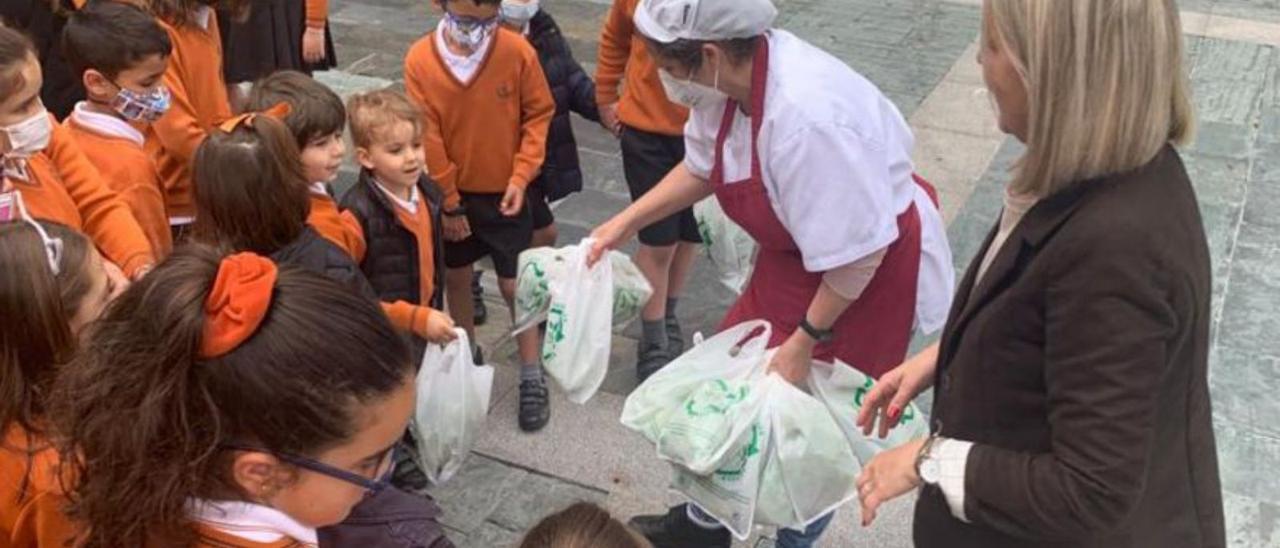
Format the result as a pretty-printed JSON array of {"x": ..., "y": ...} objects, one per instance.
[{"x": 905, "y": 46}]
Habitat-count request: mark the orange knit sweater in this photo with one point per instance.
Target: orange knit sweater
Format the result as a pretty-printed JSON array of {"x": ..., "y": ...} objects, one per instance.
[
  {"x": 128, "y": 170},
  {"x": 339, "y": 227},
  {"x": 200, "y": 101},
  {"x": 644, "y": 105},
  {"x": 491, "y": 132},
  {"x": 64, "y": 187}
]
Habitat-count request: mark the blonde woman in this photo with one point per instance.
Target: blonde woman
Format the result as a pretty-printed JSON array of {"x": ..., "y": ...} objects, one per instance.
[{"x": 1071, "y": 402}]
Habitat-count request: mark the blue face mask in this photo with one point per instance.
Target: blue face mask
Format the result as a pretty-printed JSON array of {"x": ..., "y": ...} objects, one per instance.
[
  {"x": 518, "y": 13},
  {"x": 469, "y": 32},
  {"x": 142, "y": 107}
]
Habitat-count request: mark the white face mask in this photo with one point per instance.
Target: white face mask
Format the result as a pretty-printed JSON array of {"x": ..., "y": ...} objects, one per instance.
[
  {"x": 29, "y": 136},
  {"x": 519, "y": 13},
  {"x": 689, "y": 93}
]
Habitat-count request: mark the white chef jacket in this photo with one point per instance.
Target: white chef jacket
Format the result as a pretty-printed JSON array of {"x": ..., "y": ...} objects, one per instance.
[{"x": 836, "y": 160}]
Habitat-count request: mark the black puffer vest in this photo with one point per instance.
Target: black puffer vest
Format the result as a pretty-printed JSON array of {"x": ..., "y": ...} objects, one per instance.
[
  {"x": 573, "y": 91},
  {"x": 391, "y": 256}
]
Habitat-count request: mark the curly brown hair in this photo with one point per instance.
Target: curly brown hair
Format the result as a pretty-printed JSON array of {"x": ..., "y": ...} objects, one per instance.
[{"x": 143, "y": 421}]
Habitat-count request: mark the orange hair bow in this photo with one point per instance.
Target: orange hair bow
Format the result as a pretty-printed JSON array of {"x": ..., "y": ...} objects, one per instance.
[
  {"x": 238, "y": 302},
  {"x": 279, "y": 112}
]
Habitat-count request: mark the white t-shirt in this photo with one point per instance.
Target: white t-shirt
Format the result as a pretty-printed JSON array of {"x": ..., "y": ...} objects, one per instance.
[{"x": 836, "y": 160}]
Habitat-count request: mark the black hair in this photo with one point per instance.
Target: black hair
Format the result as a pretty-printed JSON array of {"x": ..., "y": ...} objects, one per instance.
[
  {"x": 112, "y": 37},
  {"x": 689, "y": 52}
]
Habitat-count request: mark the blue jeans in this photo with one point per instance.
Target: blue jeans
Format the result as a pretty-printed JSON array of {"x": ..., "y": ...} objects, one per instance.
[
  {"x": 787, "y": 538},
  {"x": 792, "y": 538}
]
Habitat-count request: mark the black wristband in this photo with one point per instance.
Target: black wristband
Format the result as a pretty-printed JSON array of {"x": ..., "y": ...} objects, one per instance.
[{"x": 819, "y": 335}]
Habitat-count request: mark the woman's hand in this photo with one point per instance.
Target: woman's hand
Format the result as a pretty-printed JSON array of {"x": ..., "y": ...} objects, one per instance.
[
  {"x": 793, "y": 359},
  {"x": 313, "y": 45},
  {"x": 895, "y": 390},
  {"x": 609, "y": 236},
  {"x": 888, "y": 476}
]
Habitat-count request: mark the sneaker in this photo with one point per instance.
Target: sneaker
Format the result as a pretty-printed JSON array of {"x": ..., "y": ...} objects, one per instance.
[
  {"x": 650, "y": 359},
  {"x": 477, "y": 298},
  {"x": 535, "y": 405},
  {"x": 675, "y": 337},
  {"x": 675, "y": 530}
]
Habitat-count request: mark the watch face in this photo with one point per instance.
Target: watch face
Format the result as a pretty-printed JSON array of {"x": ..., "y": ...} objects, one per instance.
[{"x": 930, "y": 471}]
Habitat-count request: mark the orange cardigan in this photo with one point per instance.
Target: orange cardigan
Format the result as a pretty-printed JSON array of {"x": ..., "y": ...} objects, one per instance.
[
  {"x": 337, "y": 226},
  {"x": 66, "y": 188},
  {"x": 317, "y": 13},
  {"x": 491, "y": 132},
  {"x": 194, "y": 78},
  {"x": 127, "y": 169},
  {"x": 644, "y": 106}
]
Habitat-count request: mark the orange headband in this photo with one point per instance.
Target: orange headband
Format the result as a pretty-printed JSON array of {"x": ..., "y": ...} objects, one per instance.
[
  {"x": 279, "y": 112},
  {"x": 238, "y": 302}
]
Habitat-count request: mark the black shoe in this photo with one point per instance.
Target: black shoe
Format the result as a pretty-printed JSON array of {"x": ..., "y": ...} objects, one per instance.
[
  {"x": 675, "y": 337},
  {"x": 675, "y": 530},
  {"x": 535, "y": 405},
  {"x": 477, "y": 298},
  {"x": 477, "y": 356},
  {"x": 650, "y": 359},
  {"x": 406, "y": 474}
]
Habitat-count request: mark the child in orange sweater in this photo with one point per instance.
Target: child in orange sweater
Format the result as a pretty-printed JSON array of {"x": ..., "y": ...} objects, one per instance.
[
  {"x": 316, "y": 120},
  {"x": 488, "y": 109},
  {"x": 40, "y": 160},
  {"x": 122, "y": 55},
  {"x": 46, "y": 301},
  {"x": 651, "y": 130},
  {"x": 194, "y": 79}
]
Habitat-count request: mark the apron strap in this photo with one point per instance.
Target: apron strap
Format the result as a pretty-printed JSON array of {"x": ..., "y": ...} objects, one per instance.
[{"x": 759, "y": 79}]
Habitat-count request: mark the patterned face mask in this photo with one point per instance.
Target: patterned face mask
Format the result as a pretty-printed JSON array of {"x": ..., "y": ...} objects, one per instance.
[
  {"x": 468, "y": 32},
  {"x": 142, "y": 107}
]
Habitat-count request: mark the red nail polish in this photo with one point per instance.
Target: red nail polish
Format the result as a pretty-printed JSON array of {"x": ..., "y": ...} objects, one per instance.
[{"x": 894, "y": 412}]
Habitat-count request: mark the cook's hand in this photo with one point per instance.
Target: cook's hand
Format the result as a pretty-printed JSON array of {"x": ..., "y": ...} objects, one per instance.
[
  {"x": 313, "y": 45},
  {"x": 609, "y": 118},
  {"x": 512, "y": 201},
  {"x": 456, "y": 228},
  {"x": 609, "y": 236},
  {"x": 888, "y": 476},
  {"x": 793, "y": 359},
  {"x": 894, "y": 392}
]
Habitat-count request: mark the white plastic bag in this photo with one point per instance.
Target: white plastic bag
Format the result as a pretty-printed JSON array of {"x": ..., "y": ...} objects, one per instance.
[
  {"x": 729, "y": 247},
  {"x": 730, "y": 493},
  {"x": 723, "y": 357},
  {"x": 810, "y": 469},
  {"x": 540, "y": 266},
  {"x": 575, "y": 350},
  {"x": 841, "y": 388},
  {"x": 453, "y": 400}
]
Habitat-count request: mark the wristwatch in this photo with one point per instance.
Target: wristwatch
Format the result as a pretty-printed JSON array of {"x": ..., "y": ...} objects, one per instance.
[
  {"x": 820, "y": 335},
  {"x": 928, "y": 467}
]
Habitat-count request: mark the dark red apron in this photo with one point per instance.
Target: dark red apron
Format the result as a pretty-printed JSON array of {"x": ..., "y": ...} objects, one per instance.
[{"x": 873, "y": 333}]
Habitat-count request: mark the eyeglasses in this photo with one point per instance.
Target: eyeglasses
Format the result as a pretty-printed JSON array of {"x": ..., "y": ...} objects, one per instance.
[
  {"x": 13, "y": 209},
  {"x": 371, "y": 486}
]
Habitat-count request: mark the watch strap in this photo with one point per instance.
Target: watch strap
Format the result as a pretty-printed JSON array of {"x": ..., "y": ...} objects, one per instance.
[{"x": 820, "y": 335}]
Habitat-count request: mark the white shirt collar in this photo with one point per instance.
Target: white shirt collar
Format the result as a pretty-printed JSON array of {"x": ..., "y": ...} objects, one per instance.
[
  {"x": 105, "y": 124},
  {"x": 320, "y": 189},
  {"x": 250, "y": 521},
  {"x": 463, "y": 67},
  {"x": 202, "y": 16},
  {"x": 410, "y": 205}
]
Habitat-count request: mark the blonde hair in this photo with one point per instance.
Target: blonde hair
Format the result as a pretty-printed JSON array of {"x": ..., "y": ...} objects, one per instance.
[
  {"x": 370, "y": 113},
  {"x": 1106, "y": 87}
]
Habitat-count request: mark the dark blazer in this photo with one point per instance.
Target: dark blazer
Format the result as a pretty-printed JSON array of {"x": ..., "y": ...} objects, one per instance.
[
  {"x": 573, "y": 91},
  {"x": 1078, "y": 367}
]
